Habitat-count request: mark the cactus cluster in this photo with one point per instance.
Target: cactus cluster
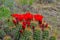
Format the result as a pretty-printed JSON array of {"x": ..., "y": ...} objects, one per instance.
[
  {"x": 32, "y": 27},
  {"x": 26, "y": 27}
]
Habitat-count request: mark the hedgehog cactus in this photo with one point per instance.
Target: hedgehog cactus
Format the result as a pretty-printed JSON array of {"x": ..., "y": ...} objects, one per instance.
[{"x": 30, "y": 27}]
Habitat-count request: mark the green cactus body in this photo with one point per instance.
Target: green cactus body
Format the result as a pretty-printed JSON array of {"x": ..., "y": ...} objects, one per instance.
[
  {"x": 45, "y": 35},
  {"x": 17, "y": 33},
  {"x": 37, "y": 35},
  {"x": 52, "y": 38},
  {"x": 27, "y": 35}
]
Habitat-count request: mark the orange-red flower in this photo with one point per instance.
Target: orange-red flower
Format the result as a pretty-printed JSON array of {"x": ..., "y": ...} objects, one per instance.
[
  {"x": 38, "y": 17},
  {"x": 15, "y": 15},
  {"x": 23, "y": 25},
  {"x": 19, "y": 17},
  {"x": 28, "y": 16}
]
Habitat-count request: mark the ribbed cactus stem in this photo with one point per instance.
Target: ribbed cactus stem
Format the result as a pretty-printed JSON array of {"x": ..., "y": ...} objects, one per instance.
[
  {"x": 37, "y": 35},
  {"x": 27, "y": 35},
  {"x": 17, "y": 35},
  {"x": 45, "y": 35}
]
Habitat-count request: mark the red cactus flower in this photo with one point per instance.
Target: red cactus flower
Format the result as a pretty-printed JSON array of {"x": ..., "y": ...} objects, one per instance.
[
  {"x": 40, "y": 22},
  {"x": 46, "y": 25},
  {"x": 23, "y": 27},
  {"x": 21, "y": 31},
  {"x": 38, "y": 17},
  {"x": 42, "y": 26},
  {"x": 24, "y": 23},
  {"x": 15, "y": 15},
  {"x": 28, "y": 16},
  {"x": 15, "y": 22},
  {"x": 20, "y": 17},
  {"x": 28, "y": 23}
]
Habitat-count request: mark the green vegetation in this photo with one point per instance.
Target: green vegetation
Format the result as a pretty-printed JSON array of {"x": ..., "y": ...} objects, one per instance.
[
  {"x": 26, "y": 2},
  {"x": 4, "y": 12}
]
